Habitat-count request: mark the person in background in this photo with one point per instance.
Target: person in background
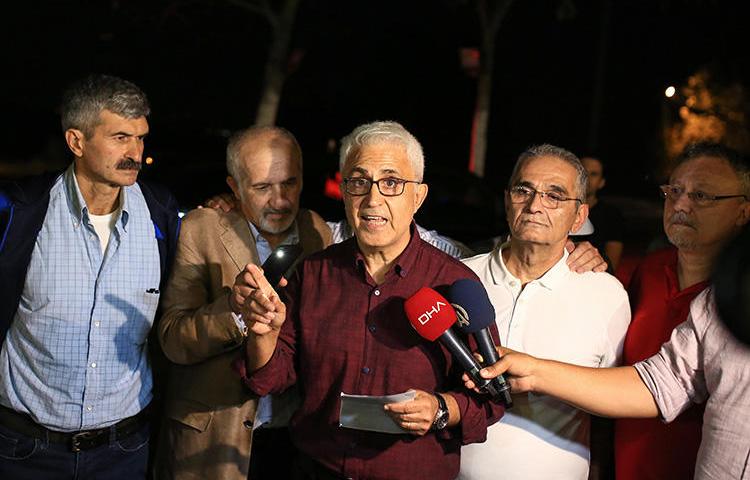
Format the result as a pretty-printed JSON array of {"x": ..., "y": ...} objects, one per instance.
[
  {"x": 210, "y": 417},
  {"x": 544, "y": 308},
  {"x": 609, "y": 224},
  {"x": 83, "y": 258},
  {"x": 705, "y": 206}
]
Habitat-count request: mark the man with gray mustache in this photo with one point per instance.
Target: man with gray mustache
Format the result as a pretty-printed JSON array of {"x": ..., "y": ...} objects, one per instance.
[{"x": 705, "y": 205}]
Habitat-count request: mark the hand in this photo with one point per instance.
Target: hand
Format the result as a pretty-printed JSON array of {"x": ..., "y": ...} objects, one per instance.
[
  {"x": 415, "y": 416},
  {"x": 223, "y": 201},
  {"x": 253, "y": 296},
  {"x": 518, "y": 368},
  {"x": 583, "y": 257}
]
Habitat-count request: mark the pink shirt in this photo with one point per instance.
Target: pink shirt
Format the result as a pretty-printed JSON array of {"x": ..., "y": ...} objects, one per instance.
[{"x": 703, "y": 362}]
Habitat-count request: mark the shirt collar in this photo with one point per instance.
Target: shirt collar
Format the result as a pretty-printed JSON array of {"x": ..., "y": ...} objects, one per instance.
[
  {"x": 404, "y": 262},
  {"x": 551, "y": 279},
  {"x": 77, "y": 203},
  {"x": 291, "y": 239}
]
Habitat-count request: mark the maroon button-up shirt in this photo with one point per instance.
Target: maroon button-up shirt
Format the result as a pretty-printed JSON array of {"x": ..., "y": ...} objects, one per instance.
[{"x": 345, "y": 333}]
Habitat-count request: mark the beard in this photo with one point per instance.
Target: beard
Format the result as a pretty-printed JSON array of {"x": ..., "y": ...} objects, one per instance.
[
  {"x": 279, "y": 226},
  {"x": 683, "y": 236}
]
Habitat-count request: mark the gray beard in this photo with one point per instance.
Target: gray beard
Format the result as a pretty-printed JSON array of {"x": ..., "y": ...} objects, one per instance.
[{"x": 681, "y": 241}]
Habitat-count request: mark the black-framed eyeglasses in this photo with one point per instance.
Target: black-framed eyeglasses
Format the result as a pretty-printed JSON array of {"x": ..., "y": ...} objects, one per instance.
[
  {"x": 387, "y": 186},
  {"x": 674, "y": 192},
  {"x": 551, "y": 200}
]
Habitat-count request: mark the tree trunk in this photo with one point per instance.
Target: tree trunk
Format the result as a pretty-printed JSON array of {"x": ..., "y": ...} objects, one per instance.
[
  {"x": 482, "y": 112},
  {"x": 489, "y": 20},
  {"x": 276, "y": 64}
]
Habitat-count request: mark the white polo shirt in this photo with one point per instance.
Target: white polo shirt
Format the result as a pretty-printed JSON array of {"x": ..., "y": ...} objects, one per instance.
[{"x": 566, "y": 316}]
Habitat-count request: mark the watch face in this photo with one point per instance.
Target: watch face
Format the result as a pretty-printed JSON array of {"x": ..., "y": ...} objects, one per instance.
[
  {"x": 442, "y": 419},
  {"x": 441, "y": 416}
]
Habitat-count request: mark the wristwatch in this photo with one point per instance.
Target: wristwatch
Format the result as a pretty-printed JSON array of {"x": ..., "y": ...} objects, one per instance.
[{"x": 442, "y": 415}]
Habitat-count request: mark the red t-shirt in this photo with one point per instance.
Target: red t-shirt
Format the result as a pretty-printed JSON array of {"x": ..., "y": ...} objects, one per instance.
[{"x": 648, "y": 448}]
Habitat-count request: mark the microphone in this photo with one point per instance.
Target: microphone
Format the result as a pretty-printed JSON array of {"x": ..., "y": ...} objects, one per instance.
[
  {"x": 475, "y": 316},
  {"x": 432, "y": 315}
]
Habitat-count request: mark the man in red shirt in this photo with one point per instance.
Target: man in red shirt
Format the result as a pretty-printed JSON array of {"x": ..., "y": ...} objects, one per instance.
[
  {"x": 343, "y": 329},
  {"x": 705, "y": 206}
]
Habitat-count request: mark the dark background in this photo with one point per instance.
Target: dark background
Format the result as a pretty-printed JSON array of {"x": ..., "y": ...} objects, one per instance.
[{"x": 201, "y": 64}]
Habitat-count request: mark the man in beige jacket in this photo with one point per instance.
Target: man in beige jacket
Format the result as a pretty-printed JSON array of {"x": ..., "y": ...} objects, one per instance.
[{"x": 209, "y": 413}]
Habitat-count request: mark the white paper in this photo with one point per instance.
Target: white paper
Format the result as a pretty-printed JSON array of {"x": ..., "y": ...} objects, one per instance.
[{"x": 365, "y": 412}]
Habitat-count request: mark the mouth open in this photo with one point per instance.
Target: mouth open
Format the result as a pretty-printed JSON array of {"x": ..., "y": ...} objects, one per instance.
[{"x": 373, "y": 220}]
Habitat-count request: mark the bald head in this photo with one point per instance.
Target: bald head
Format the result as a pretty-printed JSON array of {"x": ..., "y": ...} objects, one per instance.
[
  {"x": 251, "y": 141},
  {"x": 265, "y": 168}
]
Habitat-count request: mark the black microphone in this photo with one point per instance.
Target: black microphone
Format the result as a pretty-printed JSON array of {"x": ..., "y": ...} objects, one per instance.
[
  {"x": 475, "y": 316},
  {"x": 432, "y": 315}
]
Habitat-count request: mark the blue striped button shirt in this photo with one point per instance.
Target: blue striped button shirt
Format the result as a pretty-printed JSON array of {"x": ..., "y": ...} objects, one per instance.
[{"x": 75, "y": 357}]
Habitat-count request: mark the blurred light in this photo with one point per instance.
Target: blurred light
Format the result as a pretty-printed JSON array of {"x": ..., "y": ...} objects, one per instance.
[
  {"x": 149, "y": 160},
  {"x": 670, "y": 91},
  {"x": 180, "y": 214},
  {"x": 684, "y": 111}
]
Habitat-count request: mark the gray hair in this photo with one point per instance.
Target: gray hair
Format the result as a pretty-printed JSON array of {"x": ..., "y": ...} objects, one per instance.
[
  {"x": 547, "y": 150},
  {"x": 383, "y": 132},
  {"x": 84, "y": 100},
  {"x": 239, "y": 138},
  {"x": 736, "y": 160}
]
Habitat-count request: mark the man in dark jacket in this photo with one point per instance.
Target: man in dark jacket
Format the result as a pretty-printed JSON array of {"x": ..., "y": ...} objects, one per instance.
[{"x": 83, "y": 255}]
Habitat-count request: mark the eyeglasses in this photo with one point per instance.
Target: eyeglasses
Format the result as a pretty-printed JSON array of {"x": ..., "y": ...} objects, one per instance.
[
  {"x": 674, "y": 192},
  {"x": 551, "y": 200},
  {"x": 388, "y": 186}
]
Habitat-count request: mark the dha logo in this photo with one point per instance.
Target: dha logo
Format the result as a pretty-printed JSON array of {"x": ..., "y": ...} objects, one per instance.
[{"x": 427, "y": 316}]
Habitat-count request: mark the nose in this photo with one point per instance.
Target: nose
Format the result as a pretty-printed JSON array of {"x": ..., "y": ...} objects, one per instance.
[
  {"x": 279, "y": 196},
  {"x": 682, "y": 204},
  {"x": 535, "y": 204},
  {"x": 135, "y": 149},
  {"x": 374, "y": 197}
]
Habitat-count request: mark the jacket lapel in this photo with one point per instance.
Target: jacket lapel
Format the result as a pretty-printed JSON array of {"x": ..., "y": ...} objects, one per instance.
[{"x": 238, "y": 240}]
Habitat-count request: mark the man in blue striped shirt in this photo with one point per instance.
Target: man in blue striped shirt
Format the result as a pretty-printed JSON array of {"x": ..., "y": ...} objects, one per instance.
[{"x": 88, "y": 261}]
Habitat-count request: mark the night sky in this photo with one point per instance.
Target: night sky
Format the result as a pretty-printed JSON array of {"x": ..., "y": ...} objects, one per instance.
[{"x": 201, "y": 64}]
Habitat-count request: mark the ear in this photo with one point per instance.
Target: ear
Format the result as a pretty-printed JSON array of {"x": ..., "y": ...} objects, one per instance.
[
  {"x": 602, "y": 182},
  {"x": 581, "y": 214},
  {"x": 420, "y": 196},
  {"x": 234, "y": 186},
  {"x": 743, "y": 215},
  {"x": 76, "y": 141}
]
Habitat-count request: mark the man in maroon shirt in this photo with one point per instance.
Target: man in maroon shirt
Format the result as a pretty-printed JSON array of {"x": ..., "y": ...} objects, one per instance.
[
  {"x": 343, "y": 329},
  {"x": 705, "y": 206}
]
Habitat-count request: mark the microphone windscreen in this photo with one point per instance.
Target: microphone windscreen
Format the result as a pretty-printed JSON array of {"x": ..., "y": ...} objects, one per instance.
[
  {"x": 471, "y": 297},
  {"x": 429, "y": 313}
]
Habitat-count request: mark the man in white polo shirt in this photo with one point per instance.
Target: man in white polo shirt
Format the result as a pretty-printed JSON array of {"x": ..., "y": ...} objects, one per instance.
[{"x": 545, "y": 309}]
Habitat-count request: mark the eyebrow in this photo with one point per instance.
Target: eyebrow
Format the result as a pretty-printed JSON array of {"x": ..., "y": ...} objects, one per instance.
[
  {"x": 553, "y": 187},
  {"x": 128, "y": 134},
  {"x": 385, "y": 171},
  {"x": 286, "y": 180}
]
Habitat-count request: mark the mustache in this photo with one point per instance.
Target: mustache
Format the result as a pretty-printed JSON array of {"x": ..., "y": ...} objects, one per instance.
[
  {"x": 128, "y": 164},
  {"x": 277, "y": 211},
  {"x": 681, "y": 218}
]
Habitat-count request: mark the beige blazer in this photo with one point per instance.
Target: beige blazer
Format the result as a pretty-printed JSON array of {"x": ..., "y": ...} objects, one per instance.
[{"x": 200, "y": 337}]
